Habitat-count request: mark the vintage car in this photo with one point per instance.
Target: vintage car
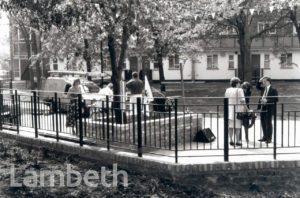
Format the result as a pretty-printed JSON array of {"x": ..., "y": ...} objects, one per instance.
[{"x": 60, "y": 84}]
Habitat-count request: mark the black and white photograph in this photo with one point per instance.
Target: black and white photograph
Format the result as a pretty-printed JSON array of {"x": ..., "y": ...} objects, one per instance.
[{"x": 150, "y": 98}]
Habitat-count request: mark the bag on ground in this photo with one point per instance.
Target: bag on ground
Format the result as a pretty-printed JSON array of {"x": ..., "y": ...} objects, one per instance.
[{"x": 204, "y": 135}]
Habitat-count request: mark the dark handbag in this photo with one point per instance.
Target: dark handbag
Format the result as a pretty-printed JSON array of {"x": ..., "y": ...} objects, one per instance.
[
  {"x": 241, "y": 115},
  {"x": 204, "y": 135}
]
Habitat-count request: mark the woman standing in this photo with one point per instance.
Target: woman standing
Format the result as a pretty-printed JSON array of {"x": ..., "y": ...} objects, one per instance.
[
  {"x": 73, "y": 108},
  {"x": 246, "y": 86},
  {"x": 236, "y": 101}
]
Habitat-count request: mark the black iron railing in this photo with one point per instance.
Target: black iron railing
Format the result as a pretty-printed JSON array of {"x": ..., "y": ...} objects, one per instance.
[{"x": 170, "y": 132}]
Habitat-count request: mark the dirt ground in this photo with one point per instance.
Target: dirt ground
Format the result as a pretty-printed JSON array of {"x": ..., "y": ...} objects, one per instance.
[{"x": 29, "y": 158}]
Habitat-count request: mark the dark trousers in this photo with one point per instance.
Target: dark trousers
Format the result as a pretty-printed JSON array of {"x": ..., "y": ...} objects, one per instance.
[{"x": 266, "y": 123}]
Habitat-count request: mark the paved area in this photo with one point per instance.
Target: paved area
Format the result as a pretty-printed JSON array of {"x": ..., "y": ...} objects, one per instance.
[{"x": 193, "y": 153}]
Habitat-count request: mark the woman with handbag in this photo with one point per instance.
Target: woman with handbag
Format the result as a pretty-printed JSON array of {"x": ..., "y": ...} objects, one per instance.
[
  {"x": 237, "y": 107},
  {"x": 246, "y": 86},
  {"x": 73, "y": 108}
]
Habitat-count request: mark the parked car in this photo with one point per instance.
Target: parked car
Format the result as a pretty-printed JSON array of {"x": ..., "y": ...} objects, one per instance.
[
  {"x": 4, "y": 75},
  {"x": 61, "y": 85}
]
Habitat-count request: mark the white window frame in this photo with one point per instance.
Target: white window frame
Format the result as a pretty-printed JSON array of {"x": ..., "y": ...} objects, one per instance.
[
  {"x": 214, "y": 61},
  {"x": 267, "y": 61},
  {"x": 286, "y": 63},
  {"x": 229, "y": 31},
  {"x": 263, "y": 26},
  {"x": 175, "y": 65},
  {"x": 20, "y": 32},
  {"x": 55, "y": 62},
  {"x": 231, "y": 61}
]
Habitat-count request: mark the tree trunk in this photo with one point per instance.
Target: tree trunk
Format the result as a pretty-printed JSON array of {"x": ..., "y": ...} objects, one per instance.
[
  {"x": 87, "y": 58},
  {"x": 36, "y": 50},
  {"x": 115, "y": 78},
  {"x": 27, "y": 41},
  {"x": 159, "y": 56},
  {"x": 161, "y": 67},
  {"x": 245, "y": 70},
  {"x": 295, "y": 22}
]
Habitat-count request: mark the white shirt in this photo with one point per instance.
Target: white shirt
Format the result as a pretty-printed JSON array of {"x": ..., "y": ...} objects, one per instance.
[{"x": 266, "y": 91}]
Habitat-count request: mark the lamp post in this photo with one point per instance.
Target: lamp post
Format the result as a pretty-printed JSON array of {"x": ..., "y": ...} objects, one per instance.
[{"x": 181, "y": 65}]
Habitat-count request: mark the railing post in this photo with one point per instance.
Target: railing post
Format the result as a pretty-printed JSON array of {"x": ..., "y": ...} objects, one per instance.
[
  {"x": 17, "y": 111},
  {"x": 275, "y": 130},
  {"x": 1, "y": 110},
  {"x": 176, "y": 134},
  {"x": 107, "y": 123},
  {"x": 139, "y": 126},
  {"x": 80, "y": 119},
  {"x": 56, "y": 115},
  {"x": 226, "y": 150},
  {"x": 35, "y": 114},
  {"x": 170, "y": 129},
  {"x": 282, "y": 123}
]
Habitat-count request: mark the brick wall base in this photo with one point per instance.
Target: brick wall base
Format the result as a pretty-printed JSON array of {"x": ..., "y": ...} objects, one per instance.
[{"x": 184, "y": 174}]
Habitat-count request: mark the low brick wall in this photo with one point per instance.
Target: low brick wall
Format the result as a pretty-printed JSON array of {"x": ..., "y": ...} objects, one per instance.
[
  {"x": 157, "y": 131},
  {"x": 249, "y": 174}
]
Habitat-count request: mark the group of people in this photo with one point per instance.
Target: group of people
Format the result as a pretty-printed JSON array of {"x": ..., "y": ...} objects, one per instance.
[
  {"x": 135, "y": 86},
  {"x": 239, "y": 99}
]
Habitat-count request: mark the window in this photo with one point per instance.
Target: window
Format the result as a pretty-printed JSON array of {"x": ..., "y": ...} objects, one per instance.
[
  {"x": 23, "y": 49},
  {"x": 228, "y": 31},
  {"x": 267, "y": 61},
  {"x": 16, "y": 68},
  {"x": 106, "y": 64},
  {"x": 286, "y": 60},
  {"x": 265, "y": 25},
  {"x": 133, "y": 63},
  {"x": 212, "y": 61},
  {"x": 55, "y": 64},
  {"x": 155, "y": 63},
  {"x": 21, "y": 36},
  {"x": 145, "y": 63},
  {"x": 174, "y": 62},
  {"x": 16, "y": 50},
  {"x": 231, "y": 62}
]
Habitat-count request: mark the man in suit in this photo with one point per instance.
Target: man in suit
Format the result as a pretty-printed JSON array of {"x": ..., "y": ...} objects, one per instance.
[{"x": 266, "y": 105}]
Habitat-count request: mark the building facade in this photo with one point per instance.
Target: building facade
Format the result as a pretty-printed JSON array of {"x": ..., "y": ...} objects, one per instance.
[{"x": 273, "y": 55}]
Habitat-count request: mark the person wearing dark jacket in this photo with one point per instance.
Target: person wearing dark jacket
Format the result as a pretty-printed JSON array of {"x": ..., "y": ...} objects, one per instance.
[
  {"x": 266, "y": 106},
  {"x": 246, "y": 86},
  {"x": 136, "y": 88}
]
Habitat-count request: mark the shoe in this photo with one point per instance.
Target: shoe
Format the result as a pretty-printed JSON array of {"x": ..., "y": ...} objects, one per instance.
[
  {"x": 268, "y": 141},
  {"x": 262, "y": 140},
  {"x": 231, "y": 143},
  {"x": 239, "y": 144}
]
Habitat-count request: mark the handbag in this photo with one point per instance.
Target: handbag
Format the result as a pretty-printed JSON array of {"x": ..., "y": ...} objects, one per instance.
[{"x": 240, "y": 115}]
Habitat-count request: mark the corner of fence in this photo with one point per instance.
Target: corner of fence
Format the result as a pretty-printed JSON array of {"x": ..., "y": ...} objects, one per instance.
[
  {"x": 226, "y": 149},
  {"x": 35, "y": 114},
  {"x": 139, "y": 126},
  {"x": 176, "y": 132},
  {"x": 275, "y": 131},
  {"x": 80, "y": 107}
]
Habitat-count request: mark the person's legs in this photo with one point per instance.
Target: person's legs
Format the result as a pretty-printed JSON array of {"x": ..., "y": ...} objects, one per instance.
[
  {"x": 230, "y": 133},
  {"x": 269, "y": 127},
  {"x": 263, "y": 124},
  {"x": 237, "y": 136},
  {"x": 246, "y": 128}
]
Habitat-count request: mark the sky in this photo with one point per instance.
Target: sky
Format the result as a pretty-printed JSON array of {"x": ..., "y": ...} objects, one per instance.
[{"x": 4, "y": 35}]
